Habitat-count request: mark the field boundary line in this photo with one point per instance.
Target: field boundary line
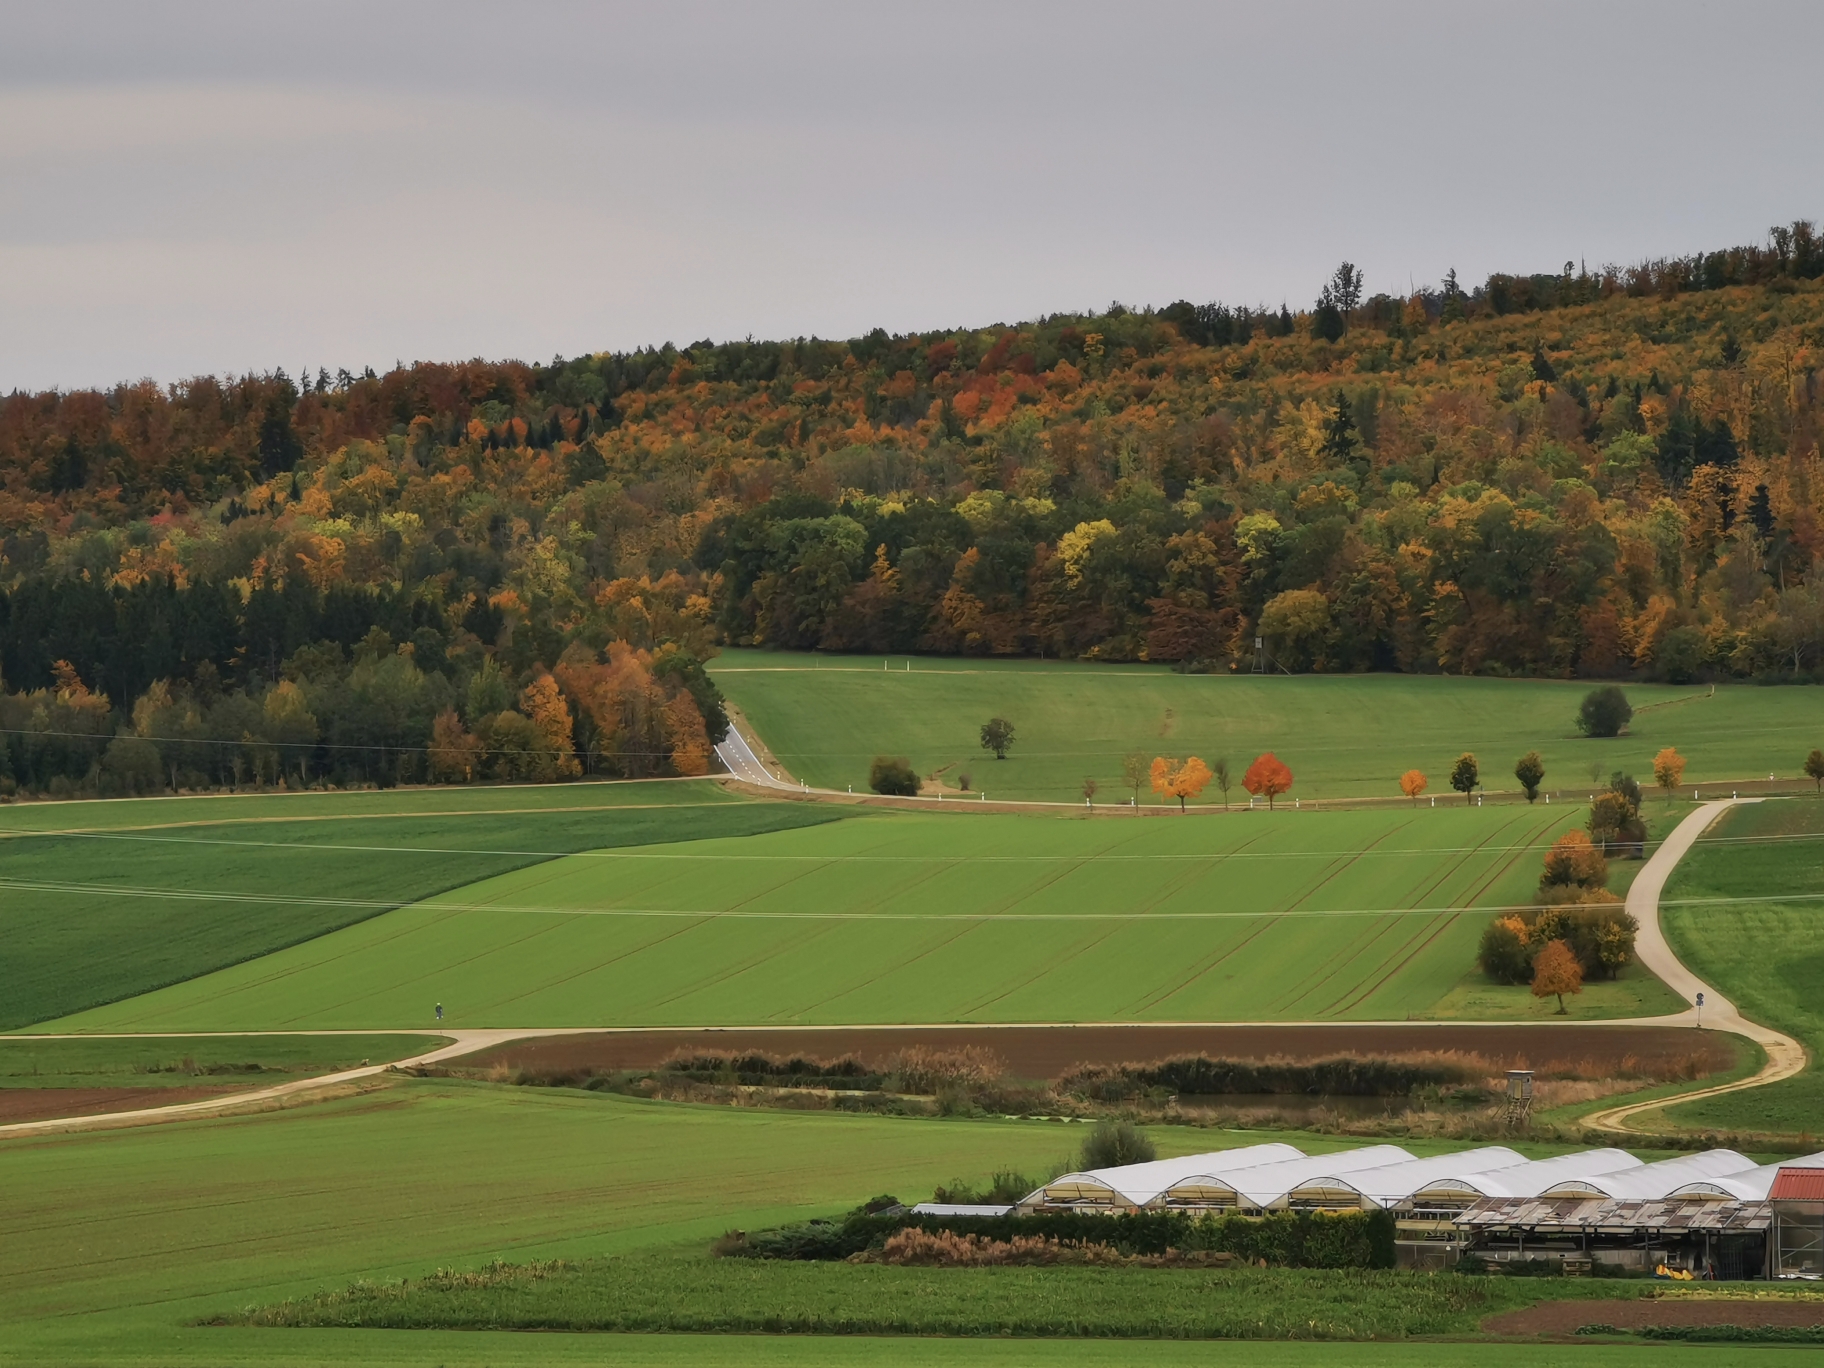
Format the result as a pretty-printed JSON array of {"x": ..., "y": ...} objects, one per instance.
[{"x": 1785, "y": 1056}]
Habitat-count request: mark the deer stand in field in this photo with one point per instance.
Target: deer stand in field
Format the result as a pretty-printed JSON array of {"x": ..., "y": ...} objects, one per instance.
[{"x": 1519, "y": 1098}]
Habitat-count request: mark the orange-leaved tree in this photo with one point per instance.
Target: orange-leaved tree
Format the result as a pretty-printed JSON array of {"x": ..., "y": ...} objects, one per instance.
[
  {"x": 1669, "y": 770},
  {"x": 1267, "y": 777},
  {"x": 1556, "y": 972},
  {"x": 1173, "y": 780},
  {"x": 1412, "y": 784},
  {"x": 1574, "y": 866},
  {"x": 545, "y": 705},
  {"x": 455, "y": 755}
]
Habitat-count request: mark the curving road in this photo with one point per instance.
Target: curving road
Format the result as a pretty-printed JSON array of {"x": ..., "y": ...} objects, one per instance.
[{"x": 1785, "y": 1056}]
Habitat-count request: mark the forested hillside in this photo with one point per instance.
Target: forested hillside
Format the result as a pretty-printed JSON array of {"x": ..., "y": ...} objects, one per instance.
[{"x": 501, "y": 569}]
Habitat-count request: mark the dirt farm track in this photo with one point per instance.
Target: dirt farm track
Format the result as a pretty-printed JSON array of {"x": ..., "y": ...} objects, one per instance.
[{"x": 1044, "y": 1052}]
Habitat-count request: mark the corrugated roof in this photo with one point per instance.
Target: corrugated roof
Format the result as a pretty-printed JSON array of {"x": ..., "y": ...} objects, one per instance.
[
  {"x": 1751, "y": 1185},
  {"x": 1653, "y": 1182},
  {"x": 1570, "y": 1216},
  {"x": 1794, "y": 1184},
  {"x": 1138, "y": 1184},
  {"x": 1532, "y": 1178},
  {"x": 1392, "y": 1184},
  {"x": 1265, "y": 1184}
]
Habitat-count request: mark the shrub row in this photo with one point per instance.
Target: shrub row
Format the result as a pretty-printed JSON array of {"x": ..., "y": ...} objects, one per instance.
[
  {"x": 1284, "y": 1239},
  {"x": 1342, "y": 1076},
  {"x": 1714, "y": 1334}
]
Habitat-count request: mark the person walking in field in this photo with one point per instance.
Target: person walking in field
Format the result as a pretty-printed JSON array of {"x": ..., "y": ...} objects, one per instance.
[{"x": 440, "y": 1011}]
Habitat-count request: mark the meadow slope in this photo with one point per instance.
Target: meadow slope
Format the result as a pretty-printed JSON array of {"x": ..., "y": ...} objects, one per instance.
[
  {"x": 1765, "y": 953},
  {"x": 895, "y": 917},
  {"x": 825, "y": 718},
  {"x": 104, "y": 900}
]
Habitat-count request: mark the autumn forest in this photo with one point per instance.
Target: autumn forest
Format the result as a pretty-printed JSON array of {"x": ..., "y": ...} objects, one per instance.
[{"x": 503, "y": 570}]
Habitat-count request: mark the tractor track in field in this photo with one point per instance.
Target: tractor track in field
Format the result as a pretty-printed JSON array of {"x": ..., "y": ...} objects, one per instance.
[{"x": 1785, "y": 1057}]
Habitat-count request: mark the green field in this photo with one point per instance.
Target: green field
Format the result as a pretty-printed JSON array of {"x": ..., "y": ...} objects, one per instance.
[
  {"x": 116, "y": 1243},
  {"x": 825, "y": 718},
  {"x": 1768, "y": 957},
  {"x": 915, "y": 917},
  {"x": 101, "y": 901},
  {"x": 685, "y": 1291}
]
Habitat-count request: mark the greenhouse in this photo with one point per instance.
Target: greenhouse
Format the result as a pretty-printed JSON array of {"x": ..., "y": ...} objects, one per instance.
[{"x": 1705, "y": 1215}]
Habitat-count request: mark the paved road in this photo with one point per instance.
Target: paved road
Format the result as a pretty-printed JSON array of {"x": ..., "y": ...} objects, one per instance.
[
  {"x": 1785, "y": 1056},
  {"x": 739, "y": 759}
]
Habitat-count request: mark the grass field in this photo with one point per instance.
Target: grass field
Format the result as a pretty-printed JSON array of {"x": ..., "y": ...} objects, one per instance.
[
  {"x": 115, "y": 1243},
  {"x": 896, "y": 917},
  {"x": 101, "y": 901},
  {"x": 1767, "y": 956},
  {"x": 825, "y": 718},
  {"x": 687, "y": 1291}
]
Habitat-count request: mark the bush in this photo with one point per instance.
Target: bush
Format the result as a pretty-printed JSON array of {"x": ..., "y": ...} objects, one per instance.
[
  {"x": 1285, "y": 1239},
  {"x": 1605, "y": 711},
  {"x": 1199, "y": 1075},
  {"x": 893, "y": 775},
  {"x": 1505, "y": 954},
  {"x": 1114, "y": 1143}
]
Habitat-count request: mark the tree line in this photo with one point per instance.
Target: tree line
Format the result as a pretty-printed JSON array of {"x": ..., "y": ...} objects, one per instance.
[
  {"x": 1609, "y": 473},
  {"x": 376, "y": 716}
]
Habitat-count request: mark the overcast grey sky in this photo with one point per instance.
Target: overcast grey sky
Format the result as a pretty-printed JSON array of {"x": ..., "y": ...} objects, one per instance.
[{"x": 190, "y": 187}]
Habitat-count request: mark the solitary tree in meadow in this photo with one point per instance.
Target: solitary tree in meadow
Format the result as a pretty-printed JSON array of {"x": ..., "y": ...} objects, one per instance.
[
  {"x": 1605, "y": 711},
  {"x": 1089, "y": 791},
  {"x": 1412, "y": 784},
  {"x": 1529, "y": 771},
  {"x": 1669, "y": 770},
  {"x": 1173, "y": 780},
  {"x": 1814, "y": 768},
  {"x": 1464, "y": 776},
  {"x": 1267, "y": 777},
  {"x": 1556, "y": 972},
  {"x": 997, "y": 736}
]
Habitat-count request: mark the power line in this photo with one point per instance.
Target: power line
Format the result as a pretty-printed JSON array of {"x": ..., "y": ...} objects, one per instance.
[{"x": 748, "y": 914}]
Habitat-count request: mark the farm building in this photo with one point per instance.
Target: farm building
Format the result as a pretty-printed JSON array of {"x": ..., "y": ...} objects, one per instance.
[{"x": 1715, "y": 1214}]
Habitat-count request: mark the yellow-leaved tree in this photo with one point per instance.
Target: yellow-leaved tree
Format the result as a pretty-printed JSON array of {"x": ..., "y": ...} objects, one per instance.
[
  {"x": 1556, "y": 972},
  {"x": 551, "y": 715},
  {"x": 1173, "y": 780}
]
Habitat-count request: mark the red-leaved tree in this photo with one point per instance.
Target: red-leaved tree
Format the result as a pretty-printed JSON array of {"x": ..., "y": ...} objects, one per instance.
[{"x": 1267, "y": 777}]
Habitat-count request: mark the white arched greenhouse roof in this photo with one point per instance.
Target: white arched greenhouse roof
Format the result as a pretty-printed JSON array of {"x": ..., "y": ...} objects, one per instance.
[
  {"x": 1391, "y": 1184},
  {"x": 1748, "y": 1185},
  {"x": 1653, "y": 1182},
  {"x": 1266, "y": 1184},
  {"x": 1138, "y": 1184},
  {"x": 1531, "y": 1178}
]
